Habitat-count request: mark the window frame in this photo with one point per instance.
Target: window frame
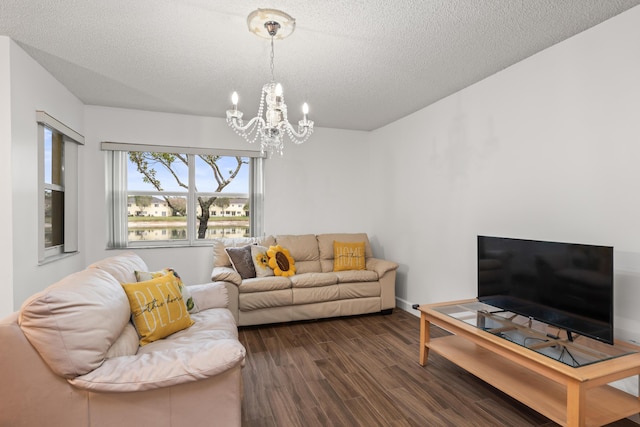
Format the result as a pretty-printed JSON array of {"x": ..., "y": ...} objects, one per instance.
[
  {"x": 69, "y": 186},
  {"x": 117, "y": 181}
]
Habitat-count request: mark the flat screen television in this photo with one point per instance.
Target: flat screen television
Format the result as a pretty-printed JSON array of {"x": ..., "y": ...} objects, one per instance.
[{"x": 567, "y": 285}]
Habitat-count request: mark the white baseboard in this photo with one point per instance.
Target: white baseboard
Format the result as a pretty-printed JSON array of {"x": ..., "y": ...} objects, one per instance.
[{"x": 406, "y": 306}]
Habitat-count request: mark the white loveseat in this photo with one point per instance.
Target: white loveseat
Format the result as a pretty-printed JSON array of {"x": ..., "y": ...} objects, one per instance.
[
  {"x": 315, "y": 291},
  {"x": 71, "y": 357}
]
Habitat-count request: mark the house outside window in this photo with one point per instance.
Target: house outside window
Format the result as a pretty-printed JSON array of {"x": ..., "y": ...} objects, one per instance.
[{"x": 187, "y": 188}]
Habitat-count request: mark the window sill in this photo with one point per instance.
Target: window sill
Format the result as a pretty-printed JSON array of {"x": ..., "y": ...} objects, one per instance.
[{"x": 57, "y": 257}]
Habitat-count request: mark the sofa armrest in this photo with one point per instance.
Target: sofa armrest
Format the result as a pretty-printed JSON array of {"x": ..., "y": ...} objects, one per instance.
[
  {"x": 148, "y": 371},
  {"x": 381, "y": 266},
  {"x": 226, "y": 274},
  {"x": 209, "y": 295}
]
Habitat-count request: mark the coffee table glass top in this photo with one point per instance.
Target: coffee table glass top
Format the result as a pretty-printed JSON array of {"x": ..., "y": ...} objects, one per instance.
[{"x": 537, "y": 336}]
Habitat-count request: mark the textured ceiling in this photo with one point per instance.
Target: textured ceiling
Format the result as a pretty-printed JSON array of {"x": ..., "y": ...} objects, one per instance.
[{"x": 360, "y": 64}]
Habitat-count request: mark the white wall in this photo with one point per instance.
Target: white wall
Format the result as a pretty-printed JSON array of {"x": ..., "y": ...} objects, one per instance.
[
  {"x": 32, "y": 88},
  {"x": 6, "y": 227},
  {"x": 304, "y": 184},
  {"x": 320, "y": 186},
  {"x": 547, "y": 149}
]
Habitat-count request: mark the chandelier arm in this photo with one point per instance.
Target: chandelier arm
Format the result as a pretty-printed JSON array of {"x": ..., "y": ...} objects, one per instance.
[
  {"x": 307, "y": 130},
  {"x": 299, "y": 137},
  {"x": 252, "y": 128},
  {"x": 239, "y": 127}
]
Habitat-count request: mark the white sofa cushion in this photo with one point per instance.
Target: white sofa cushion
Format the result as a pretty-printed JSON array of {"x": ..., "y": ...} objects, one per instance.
[
  {"x": 304, "y": 250},
  {"x": 73, "y": 323},
  {"x": 313, "y": 280},
  {"x": 209, "y": 295},
  {"x": 122, "y": 266},
  {"x": 208, "y": 348},
  {"x": 127, "y": 343}
]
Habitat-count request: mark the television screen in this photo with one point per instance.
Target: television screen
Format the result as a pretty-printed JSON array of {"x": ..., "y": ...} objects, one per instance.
[{"x": 566, "y": 285}]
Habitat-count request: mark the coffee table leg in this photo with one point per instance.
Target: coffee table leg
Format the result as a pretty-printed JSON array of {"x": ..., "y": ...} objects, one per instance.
[
  {"x": 424, "y": 339},
  {"x": 575, "y": 404}
]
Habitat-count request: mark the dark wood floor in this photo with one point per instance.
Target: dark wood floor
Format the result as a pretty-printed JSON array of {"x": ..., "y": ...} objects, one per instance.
[{"x": 364, "y": 371}]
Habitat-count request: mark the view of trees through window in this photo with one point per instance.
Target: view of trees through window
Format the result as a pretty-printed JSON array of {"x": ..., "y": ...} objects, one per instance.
[{"x": 160, "y": 186}]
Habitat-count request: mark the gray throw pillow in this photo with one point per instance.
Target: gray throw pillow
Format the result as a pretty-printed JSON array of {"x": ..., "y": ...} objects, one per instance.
[{"x": 241, "y": 260}]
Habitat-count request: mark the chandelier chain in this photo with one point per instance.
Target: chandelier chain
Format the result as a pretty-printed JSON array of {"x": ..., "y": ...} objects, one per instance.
[{"x": 273, "y": 79}]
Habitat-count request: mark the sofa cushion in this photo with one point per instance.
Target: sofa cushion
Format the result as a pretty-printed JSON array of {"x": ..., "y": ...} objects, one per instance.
[
  {"x": 258, "y": 300},
  {"x": 315, "y": 295},
  {"x": 220, "y": 258},
  {"x": 157, "y": 308},
  {"x": 264, "y": 284},
  {"x": 359, "y": 290},
  {"x": 312, "y": 280},
  {"x": 348, "y": 256},
  {"x": 242, "y": 261},
  {"x": 352, "y": 276},
  {"x": 122, "y": 266},
  {"x": 208, "y": 348},
  {"x": 325, "y": 246},
  {"x": 304, "y": 250},
  {"x": 261, "y": 261},
  {"x": 209, "y": 295},
  {"x": 73, "y": 323},
  {"x": 127, "y": 343}
]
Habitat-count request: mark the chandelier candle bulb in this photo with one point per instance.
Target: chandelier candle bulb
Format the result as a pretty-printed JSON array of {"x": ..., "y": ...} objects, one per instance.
[{"x": 305, "y": 111}]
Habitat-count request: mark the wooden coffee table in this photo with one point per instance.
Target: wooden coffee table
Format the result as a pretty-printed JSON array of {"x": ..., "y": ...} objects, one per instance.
[{"x": 570, "y": 396}]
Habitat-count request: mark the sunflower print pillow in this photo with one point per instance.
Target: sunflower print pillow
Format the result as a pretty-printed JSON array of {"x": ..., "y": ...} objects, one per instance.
[
  {"x": 281, "y": 261},
  {"x": 261, "y": 261}
]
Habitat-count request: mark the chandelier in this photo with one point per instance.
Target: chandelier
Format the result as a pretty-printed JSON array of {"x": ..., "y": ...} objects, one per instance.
[{"x": 271, "y": 124}]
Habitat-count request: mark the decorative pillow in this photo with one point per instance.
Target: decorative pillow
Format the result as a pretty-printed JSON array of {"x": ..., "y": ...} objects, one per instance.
[
  {"x": 242, "y": 261},
  {"x": 281, "y": 261},
  {"x": 348, "y": 256},
  {"x": 157, "y": 308},
  {"x": 143, "y": 276},
  {"x": 261, "y": 261}
]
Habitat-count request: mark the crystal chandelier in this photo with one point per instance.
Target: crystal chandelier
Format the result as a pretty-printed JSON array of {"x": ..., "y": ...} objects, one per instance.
[{"x": 271, "y": 124}]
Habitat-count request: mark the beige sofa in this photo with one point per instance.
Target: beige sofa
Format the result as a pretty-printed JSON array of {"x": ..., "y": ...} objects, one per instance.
[
  {"x": 315, "y": 291},
  {"x": 71, "y": 357}
]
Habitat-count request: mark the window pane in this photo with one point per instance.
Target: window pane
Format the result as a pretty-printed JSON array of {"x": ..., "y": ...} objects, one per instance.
[
  {"x": 228, "y": 217},
  {"x": 154, "y": 217},
  {"x": 216, "y": 174},
  {"x": 148, "y": 171},
  {"x": 53, "y": 218},
  {"x": 53, "y": 155}
]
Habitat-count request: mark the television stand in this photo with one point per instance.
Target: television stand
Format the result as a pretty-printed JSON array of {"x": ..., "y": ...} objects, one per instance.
[{"x": 568, "y": 395}]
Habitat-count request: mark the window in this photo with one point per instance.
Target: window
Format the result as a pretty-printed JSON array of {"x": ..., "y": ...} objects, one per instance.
[
  {"x": 58, "y": 183},
  {"x": 174, "y": 196}
]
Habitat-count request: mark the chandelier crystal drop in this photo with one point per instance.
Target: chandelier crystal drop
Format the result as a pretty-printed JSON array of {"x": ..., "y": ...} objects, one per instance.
[{"x": 272, "y": 123}]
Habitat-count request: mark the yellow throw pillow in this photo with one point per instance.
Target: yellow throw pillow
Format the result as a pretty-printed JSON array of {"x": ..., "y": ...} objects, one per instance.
[
  {"x": 157, "y": 308},
  {"x": 143, "y": 276},
  {"x": 348, "y": 256},
  {"x": 281, "y": 261}
]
